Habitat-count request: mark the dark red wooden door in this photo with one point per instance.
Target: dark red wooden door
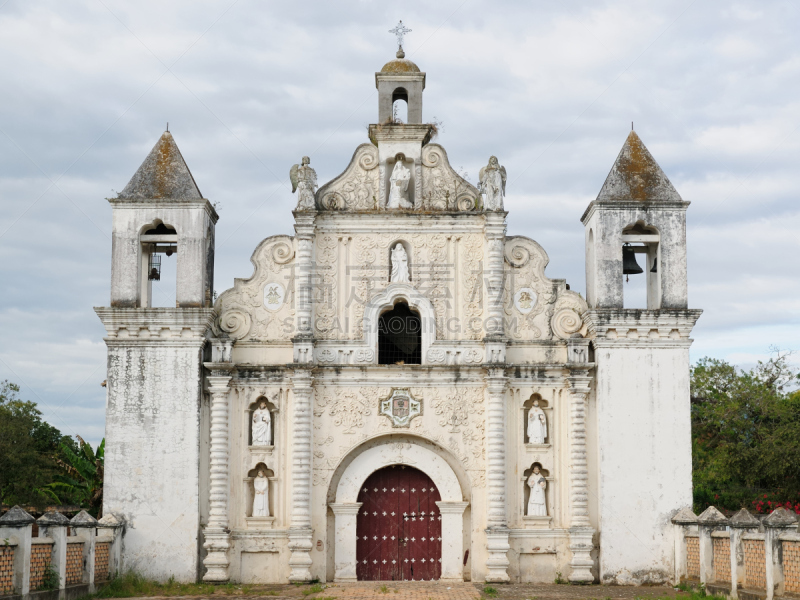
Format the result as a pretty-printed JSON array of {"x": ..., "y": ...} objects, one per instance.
[{"x": 399, "y": 528}]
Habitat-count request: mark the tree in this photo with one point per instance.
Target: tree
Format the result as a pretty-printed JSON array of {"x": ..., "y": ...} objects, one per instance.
[
  {"x": 28, "y": 449},
  {"x": 746, "y": 435},
  {"x": 82, "y": 478}
]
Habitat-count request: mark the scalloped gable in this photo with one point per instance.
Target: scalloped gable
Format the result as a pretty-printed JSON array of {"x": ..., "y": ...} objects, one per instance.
[
  {"x": 163, "y": 175},
  {"x": 637, "y": 176}
]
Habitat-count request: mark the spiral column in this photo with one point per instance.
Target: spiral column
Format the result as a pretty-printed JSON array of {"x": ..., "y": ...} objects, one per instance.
[
  {"x": 497, "y": 526},
  {"x": 580, "y": 530},
  {"x": 300, "y": 532},
  {"x": 217, "y": 534}
]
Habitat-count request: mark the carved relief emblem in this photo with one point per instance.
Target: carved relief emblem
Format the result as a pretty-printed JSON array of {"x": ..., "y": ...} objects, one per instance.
[
  {"x": 400, "y": 407},
  {"x": 525, "y": 299},
  {"x": 273, "y": 296}
]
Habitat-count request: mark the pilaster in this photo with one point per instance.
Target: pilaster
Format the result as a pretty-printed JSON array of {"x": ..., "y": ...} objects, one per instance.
[
  {"x": 345, "y": 520},
  {"x": 217, "y": 534},
  {"x": 580, "y": 530},
  {"x": 494, "y": 271},
  {"x": 304, "y": 228},
  {"x": 497, "y": 525},
  {"x": 300, "y": 532}
]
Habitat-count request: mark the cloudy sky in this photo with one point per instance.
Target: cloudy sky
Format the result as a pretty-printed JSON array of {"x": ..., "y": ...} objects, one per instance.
[{"x": 248, "y": 87}]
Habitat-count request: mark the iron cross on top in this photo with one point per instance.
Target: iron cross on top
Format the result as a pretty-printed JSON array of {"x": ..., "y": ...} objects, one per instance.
[{"x": 400, "y": 31}]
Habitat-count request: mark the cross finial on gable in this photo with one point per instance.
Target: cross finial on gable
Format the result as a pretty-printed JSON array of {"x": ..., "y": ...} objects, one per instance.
[{"x": 400, "y": 30}]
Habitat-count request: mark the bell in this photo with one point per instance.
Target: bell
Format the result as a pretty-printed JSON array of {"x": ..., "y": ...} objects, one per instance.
[
  {"x": 629, "y": 264},
  {"x": 655, "y": 266}
]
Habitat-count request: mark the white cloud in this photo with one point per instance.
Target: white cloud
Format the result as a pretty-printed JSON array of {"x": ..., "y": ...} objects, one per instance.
[{"x": 549, "y": 88}]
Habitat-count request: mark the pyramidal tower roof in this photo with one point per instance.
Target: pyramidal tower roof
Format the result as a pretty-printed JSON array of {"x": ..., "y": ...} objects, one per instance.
[
  {"x": 637, "y": 176},
  {"x": 163, "y": 175}
]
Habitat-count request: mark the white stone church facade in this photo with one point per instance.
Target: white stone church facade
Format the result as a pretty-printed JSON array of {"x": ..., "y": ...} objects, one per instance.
[{"x": 508, "y": 429}]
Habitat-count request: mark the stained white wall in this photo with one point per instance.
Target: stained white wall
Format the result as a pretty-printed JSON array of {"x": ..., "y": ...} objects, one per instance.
[
  {"x": 153, "y": 454},
  {"x": 644, "y": 458}
]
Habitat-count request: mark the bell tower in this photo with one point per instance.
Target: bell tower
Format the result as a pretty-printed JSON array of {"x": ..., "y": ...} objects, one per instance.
[
  {"x": 400, "y": 79},
  {"x": 155, "y": 414},
  {"x": 644, "y": 457}
]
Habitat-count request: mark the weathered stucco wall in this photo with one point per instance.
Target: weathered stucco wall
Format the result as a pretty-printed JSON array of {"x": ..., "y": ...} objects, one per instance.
[
  {"x": 644, "y": 459},
  {"x": 153, "y": 437}
]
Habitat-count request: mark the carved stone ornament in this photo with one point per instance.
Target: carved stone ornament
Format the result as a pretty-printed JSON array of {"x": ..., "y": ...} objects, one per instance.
[
  {"x": 274, "y": 294},
  {"x": 400, "y": 407},
  {"x": 358, "y": 188},
  {"x": 524, "y": 300},
  {"x": 261, "y": 308},
  {"x": 442, "y": 187}
]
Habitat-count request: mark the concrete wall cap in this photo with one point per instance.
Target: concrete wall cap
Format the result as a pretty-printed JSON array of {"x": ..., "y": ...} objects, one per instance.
[
  {"x": 744, "y": 519},
  {"x": 16, "y": 517},
  {"x": 685, "y": 516},
  {"x": 780, "y": 517},
  {"x": 52, "y": 519},
  {"x": 83, "y": 519},
  {"x": 711, "y": 516},
  {"x": 109, "y": 520}
]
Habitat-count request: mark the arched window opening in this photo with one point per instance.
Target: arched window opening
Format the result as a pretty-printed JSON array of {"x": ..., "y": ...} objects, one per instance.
[
  {"x": 400, "y": 336},
  {"x": 156, "y": 240},
  {"x": 640, "y": 256},
  {"x": 400, "y": 106}
]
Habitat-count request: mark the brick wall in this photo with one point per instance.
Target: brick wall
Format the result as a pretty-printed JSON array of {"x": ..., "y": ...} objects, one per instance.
[
  {"x": 101, "y": 554},
  {"x": 7, "y": 570},
  {"x": 693, "y": 557},
  {"x": 755, "y": 576},
  {"x": 74, "y": 563},
  {"x": 40, "y": 563},
  {"x": 791, "y": 566},
  {"x": 721, "y": 559}
]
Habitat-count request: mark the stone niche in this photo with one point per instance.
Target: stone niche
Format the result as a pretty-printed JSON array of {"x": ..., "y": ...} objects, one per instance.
[
  {"x": 526, "y": 409},
  {"x": 273, "y": 413},
  {"x": 536, "y": 521},
  {"x": 260, "y": 522}
]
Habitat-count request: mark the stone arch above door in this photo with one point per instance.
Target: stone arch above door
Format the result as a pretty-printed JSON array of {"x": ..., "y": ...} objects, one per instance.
[{"x": 377, "y": 457}]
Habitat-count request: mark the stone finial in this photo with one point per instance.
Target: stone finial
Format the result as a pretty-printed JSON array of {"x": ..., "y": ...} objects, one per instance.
[
  {"x": 109, "y": 520},
  {"x": 83, "y": 519},
  {"x": 16, "y": 517},
  {"x": 162, "y": 175},
  {"x": 744, "y": 520},
  {"x": 685, "y": 516},
  {"x": 780, "y": 517},
  {"x": 636, "y": 176},
  {"x": 52, "y": 519},
  {"x": 711, "y": 516}
]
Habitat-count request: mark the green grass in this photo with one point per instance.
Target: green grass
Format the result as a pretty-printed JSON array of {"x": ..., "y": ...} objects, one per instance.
[
  {"x": 490, "y": 591},
  {"x": 314, "y": 589},
  {"x": 130, "y": 585}
]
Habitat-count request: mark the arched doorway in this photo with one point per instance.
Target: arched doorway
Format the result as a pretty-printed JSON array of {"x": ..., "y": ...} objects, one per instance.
[
  {"x": 349, "y": 483},
  {"x": 399, "y": 527}
]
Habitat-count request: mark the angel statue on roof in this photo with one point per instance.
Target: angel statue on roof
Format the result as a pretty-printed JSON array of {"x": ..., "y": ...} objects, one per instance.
[
  {"x": 492, "y": 184},
  {"x": 304, "y": 182}
]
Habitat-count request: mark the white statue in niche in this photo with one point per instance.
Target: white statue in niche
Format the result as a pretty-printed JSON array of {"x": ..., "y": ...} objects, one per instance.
[
  {"x": 304, "y": 181},
  {"x": 261, "y": 497},
  {"x": 537, "y": 424},
  {"x": 492, "y": 184},
  {"x": 398, "y": 191},
  {"x": 262, "y": 430},
  {"x": 399, "y": 265},
  {"x": 536, "y": 501}
]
